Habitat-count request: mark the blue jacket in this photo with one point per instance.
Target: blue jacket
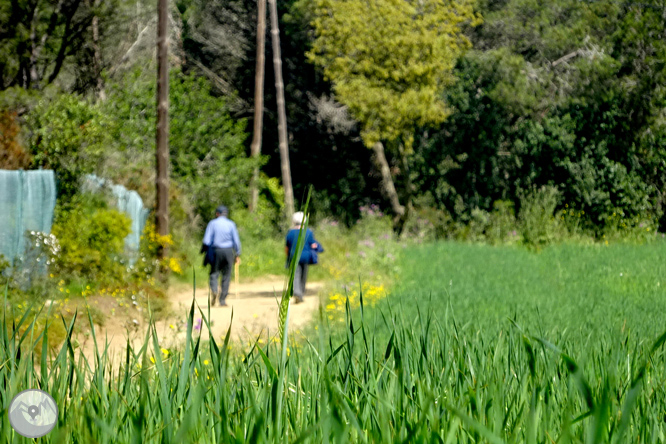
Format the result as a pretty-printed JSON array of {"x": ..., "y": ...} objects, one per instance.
[
  {"x": 222, "y": 233},
  {"x": 308, "y": 255}
]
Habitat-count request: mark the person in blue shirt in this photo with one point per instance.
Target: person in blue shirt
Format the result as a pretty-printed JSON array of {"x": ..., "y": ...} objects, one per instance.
[
  {"x": 222, "y": 246},
  {"x": 308, "y": 255}
]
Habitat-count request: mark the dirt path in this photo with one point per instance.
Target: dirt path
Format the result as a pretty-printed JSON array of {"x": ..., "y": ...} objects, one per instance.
[{"x": 255, "y": 310}]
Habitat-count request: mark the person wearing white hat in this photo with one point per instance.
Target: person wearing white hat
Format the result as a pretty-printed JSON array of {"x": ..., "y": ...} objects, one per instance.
[{"x": 307, "y": 257}]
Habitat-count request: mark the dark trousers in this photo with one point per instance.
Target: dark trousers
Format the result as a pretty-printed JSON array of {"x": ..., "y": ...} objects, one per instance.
[
  {"x": 224, "y": 259},
  {"x": 300, "y": 279}
]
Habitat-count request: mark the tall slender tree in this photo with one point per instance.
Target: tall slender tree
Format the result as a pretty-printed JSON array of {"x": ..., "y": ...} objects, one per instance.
[
  {"x": 162, "y": 142},
  {"x": 255, "y": 148},
  {"x": 389, "y": 62},
  {"x": 97, "y": 53},
  {"x": 282, "y": 115}
]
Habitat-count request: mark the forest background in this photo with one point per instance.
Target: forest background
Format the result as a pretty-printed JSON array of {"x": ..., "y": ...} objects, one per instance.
[{"x": 534, "y": 121}]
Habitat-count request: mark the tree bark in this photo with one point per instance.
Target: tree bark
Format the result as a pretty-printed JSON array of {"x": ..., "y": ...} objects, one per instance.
[
  {"x": 282, "y": 117},
  {"x": 255, "y": 148},
  {"x": 400, "y": 212},
  {"x": 97, "y": 54},
  {"x": 34, "y": 53},
  {"x": 162, "y": 129},
  {"x": 99, "y": 84}
]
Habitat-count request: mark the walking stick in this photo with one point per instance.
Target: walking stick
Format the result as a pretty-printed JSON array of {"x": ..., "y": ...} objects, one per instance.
[{"x": 237, "y": 271}]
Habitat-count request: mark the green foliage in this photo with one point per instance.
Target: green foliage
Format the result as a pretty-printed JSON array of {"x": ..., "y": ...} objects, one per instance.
[
  {"x": 502, "y": 224},
  {"x": 91, "y": 239},
  {"x": 427, "y": 222},
  {"x": 537, "y": 216},
  {"x": 148, "y": 263},
  {"x": 4, "y": 265},
  {"x": 259, "y": 225},
  {"x": 206, "y": 144},
  {"x": 368, "y": 251},
  {"x": 39, "y": 38},
  {"x": 636, "y": 230},
  {"x": 373, "y": 222},
  {"x": 553, "y": 93},
  {"x": 30, "y": 270},
  {"x": 389, "y": 60},
  {"x": 507, "y": 356},
  {"x": 68, "y": 135}
]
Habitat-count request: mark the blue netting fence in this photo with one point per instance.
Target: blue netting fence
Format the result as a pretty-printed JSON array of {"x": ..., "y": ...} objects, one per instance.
[{"x": 27, "y": 202}]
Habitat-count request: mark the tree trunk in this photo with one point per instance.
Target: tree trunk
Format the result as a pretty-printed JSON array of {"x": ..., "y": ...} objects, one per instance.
[
  {"x": 400, "y": 212},
  {"x": 97, "y": 54},
  {"x": 34, "y": 53},
  {"x": 282, "y": 117},
  {"x": 255, "y": 148},
  {"x": 162, "y": 142}
]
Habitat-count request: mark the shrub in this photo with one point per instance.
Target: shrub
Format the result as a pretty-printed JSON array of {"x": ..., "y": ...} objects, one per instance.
[
  {"x": 12, "y": 154},
  {"x": 373, "y": 221},
  {"x": 54, "y": 337},
  {"x": 259, "y": 225},
  {"x": 92, "y": 240},
  {"x": 478, "y": 223},
  {"x": 368, "y": 252},
  {"x": 4, "y": 266},
  {"x": 208, "y": 159},
  {"x": 502, "y": 223},
  {"x": 30, "y": 269},
  {"x": 67, "y": 135},
  {"x": 428, "y": 223},
  {"x": 640, "y": 229},
  {"x": 536, "y": 219},
  {"x": 148, "y": 263}
]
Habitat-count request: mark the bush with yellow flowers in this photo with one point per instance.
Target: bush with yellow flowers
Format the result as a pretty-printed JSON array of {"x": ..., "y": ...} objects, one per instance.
[{"x": 148, "y": 263}]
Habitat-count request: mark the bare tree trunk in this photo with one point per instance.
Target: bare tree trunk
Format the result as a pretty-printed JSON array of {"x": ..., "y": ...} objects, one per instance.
[
  {"x": 97, "y": 55},
  {"x": 162, "y": 142},
  {"x": 34, "y": 79},
  {"x": 282, "y": 116},
  {"x": 255, "y": 148},
  {"x": 400, "y": 212}
]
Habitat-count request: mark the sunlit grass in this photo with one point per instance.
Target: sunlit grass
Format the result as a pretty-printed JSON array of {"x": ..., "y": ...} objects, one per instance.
[{"x": 476, "y": 344}]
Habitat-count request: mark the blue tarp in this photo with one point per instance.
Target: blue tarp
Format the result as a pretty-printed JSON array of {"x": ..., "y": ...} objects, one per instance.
[{"x": 27, "y": 203}]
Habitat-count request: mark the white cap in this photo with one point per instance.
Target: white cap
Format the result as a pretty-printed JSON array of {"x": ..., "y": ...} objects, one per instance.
[{"x": 298, "y": 218}]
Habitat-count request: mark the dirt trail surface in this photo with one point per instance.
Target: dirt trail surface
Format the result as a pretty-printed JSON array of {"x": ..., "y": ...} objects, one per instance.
[{"x": 255, "y": 310}]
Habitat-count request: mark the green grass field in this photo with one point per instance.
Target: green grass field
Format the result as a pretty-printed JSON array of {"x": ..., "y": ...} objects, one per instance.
[
  {"x": 475, "y": 344},
  {"x": 585, "y": 289}
]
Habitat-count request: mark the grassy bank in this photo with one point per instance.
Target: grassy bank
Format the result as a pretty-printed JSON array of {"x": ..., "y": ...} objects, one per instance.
[{"x": 474, "y": 344}]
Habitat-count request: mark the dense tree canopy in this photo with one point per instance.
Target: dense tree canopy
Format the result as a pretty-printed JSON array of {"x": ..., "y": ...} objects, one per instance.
[{"x": 563, "y": 93}]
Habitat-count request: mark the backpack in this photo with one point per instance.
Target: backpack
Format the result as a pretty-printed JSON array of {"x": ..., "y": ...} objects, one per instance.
[{"x": 313, "y": 254}]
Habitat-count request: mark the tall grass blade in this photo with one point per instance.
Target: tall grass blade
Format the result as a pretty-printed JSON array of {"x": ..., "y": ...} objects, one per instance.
[{"x": 286, "y": 295}]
